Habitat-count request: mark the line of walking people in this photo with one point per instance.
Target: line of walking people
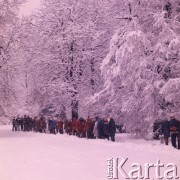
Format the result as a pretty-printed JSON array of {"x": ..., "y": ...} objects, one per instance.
[
  {"x": 170, "y": 129},
  {"x": 90, "y": 128}
]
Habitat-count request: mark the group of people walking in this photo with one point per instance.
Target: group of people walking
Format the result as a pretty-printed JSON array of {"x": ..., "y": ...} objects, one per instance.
[
  {"x": 171, "y": 129},
  {"x": 90, "y": 128}
]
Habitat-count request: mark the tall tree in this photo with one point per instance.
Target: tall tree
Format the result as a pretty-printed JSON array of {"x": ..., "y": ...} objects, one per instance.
[{"x": 8, "y": 48}]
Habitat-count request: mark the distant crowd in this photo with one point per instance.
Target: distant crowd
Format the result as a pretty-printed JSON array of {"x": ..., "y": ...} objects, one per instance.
[{"x": 90, "y": 128}]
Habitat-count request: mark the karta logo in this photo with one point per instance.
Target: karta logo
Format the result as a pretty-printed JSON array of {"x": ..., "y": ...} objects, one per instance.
[{"x": 116, "y": 170}]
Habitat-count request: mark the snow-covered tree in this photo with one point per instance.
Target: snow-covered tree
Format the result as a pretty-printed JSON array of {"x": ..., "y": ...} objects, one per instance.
[
  {"x": 65, "y": 45},
  {"x": 142, "y": 64},
  {"x": 8, "y": 48}
]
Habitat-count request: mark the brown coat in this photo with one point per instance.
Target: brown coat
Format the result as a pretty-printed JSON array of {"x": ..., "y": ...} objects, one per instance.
[{"x": 88, "y": 125}]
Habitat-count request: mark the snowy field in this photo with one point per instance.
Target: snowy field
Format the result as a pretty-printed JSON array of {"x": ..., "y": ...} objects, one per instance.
[{"x": 35, "y": 156}]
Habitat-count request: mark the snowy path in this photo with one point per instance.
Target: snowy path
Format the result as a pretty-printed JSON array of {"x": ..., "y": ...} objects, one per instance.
[{"x": 35, "y": 156}]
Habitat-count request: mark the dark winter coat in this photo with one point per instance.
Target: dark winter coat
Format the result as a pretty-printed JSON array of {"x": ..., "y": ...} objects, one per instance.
[
  {"x": 112, "y": 127},
  {"x": 179, "y": 127},
  {"x": 68, "y": 127},
  {"x": 173, "y": 126},
  {"x": 106, "y": 128},
  {"x": 165, "y": 128},
  {"x": 53, "y": 124},
  {"x": 100, "y": 129}
]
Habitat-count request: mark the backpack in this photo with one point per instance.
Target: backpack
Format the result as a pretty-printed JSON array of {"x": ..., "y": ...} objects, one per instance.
[
  {"x": 173, "y": 128},
  {"x": 173, "y": 125}
]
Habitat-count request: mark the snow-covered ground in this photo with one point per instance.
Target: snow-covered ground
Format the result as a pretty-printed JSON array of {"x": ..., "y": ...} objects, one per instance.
[{"x": 35, "y": 156}]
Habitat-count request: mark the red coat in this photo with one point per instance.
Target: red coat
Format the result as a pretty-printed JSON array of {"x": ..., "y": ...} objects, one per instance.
[
  {"x": 80, "y": 126},
  {"x": 60, "y": 124},
  {"x": 74, "y": 124}
]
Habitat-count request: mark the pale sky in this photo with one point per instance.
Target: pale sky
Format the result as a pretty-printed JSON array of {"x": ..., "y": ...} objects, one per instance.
[{"x": 28, "y": 8}]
